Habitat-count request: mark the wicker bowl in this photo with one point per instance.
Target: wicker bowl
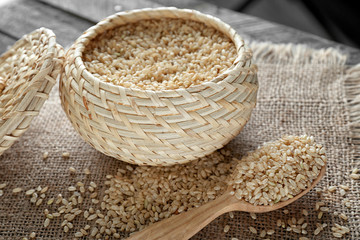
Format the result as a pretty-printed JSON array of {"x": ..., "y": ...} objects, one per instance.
[
  {"x": 29, "y": 70},
  {"x": 167, "y": 127}
]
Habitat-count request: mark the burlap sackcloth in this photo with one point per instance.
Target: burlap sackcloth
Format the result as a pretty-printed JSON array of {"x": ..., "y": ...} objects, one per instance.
[{"x": 302, "y": 90}]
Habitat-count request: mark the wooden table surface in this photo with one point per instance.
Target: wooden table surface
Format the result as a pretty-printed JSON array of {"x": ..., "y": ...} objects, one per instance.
[{"x": 69, "y": 18}]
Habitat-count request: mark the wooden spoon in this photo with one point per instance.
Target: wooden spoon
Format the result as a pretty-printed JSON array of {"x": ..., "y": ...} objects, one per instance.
[{"x": 187, "y": 224}]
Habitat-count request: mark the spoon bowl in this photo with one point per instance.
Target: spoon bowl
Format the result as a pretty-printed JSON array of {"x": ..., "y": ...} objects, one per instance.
[{"x": 187, "y": 224}]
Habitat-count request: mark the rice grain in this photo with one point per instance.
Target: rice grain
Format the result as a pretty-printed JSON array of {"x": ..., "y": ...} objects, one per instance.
[
  {"x": 29, "y": 192},
  {"x": 253, "y": 230},
  {"x": 305, "y": 212},
  {"x": 343, "y": 216},
  {"x": 17, "y": 190},
  {"x": 87, "y": 172},
  {"x": 32, "y": 235},
  {"x": 46, "y": 222}
]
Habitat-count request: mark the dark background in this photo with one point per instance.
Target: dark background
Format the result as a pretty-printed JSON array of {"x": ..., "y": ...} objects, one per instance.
[{"x": 337, "y": 20}]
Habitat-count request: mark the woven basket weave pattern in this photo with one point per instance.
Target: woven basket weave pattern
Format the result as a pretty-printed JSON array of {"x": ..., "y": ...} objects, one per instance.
[
  {"x": 158, "y": 127},
  {"x": 29, "y": 83}
]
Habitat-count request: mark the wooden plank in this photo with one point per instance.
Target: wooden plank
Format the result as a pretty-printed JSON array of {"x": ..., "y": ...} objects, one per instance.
[
  {"x": 251, "y": 28},
  {"x": 23, "y": 16},
  {"x": 5, "y": 42},
  {"x": 96, "y": 10}
]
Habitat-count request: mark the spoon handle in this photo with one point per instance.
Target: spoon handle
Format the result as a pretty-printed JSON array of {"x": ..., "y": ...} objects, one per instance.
[{"x": 187, "y": 224}]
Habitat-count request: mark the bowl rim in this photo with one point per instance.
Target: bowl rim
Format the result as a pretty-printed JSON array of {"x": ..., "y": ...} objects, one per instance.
[{"x": 243, "y": 59}]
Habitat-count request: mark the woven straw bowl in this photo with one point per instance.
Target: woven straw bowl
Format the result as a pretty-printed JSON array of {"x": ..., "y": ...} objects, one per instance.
[
  {"x": 158, "y": 127},
  {"x": 28, "y": 84}
]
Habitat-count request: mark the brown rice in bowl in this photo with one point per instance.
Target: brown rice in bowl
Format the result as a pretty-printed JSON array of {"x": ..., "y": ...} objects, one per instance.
[{"x": 159, "y": 54}]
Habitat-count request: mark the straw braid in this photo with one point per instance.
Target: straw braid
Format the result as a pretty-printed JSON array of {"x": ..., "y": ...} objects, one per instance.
[
  {"x": 158, "y": 127},
  {"x": 29, "y": 86}
]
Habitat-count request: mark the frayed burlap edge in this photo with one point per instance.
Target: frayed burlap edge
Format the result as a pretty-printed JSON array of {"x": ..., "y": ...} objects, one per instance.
[
  {"x": 352, "y": 94},
  {"x": 266, "y": 52}
]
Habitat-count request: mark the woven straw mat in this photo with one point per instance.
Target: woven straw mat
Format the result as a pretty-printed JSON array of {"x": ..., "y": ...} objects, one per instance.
[{"x": 302, "y": 90}]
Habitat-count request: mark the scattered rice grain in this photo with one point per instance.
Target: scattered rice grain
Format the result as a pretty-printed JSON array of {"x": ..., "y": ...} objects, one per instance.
[
  {"x": 32, "y": 235},
  {"x": 317, "y": 231},
  {"x": 343, "y": 216},
  {"x": 92, "y": 217},
  {"x": 94, "y": 231},
  {"x": 305, "y": 212},
  {"x": 50, "y": 201},
  {"x": 78, "y": 234},
  {"x": 300, "y": 221},
  {"x": 29, "y": 192},
  {"x": 355, "y": 176},
  {"x": 44, "y": 190},
  {"x": 46, "y": 222},
  {"x": 83, "y": 231},
  {"x": 337, "y": 235},
  {"x": 87, "y": 172},
  {"x": 342, "y": 192},
  {"x": 324, "y": 209},
  {"x": 318, "y": 205},
  {"x": 253, "y": 230},
  {"x": 17, "y": 190}
]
